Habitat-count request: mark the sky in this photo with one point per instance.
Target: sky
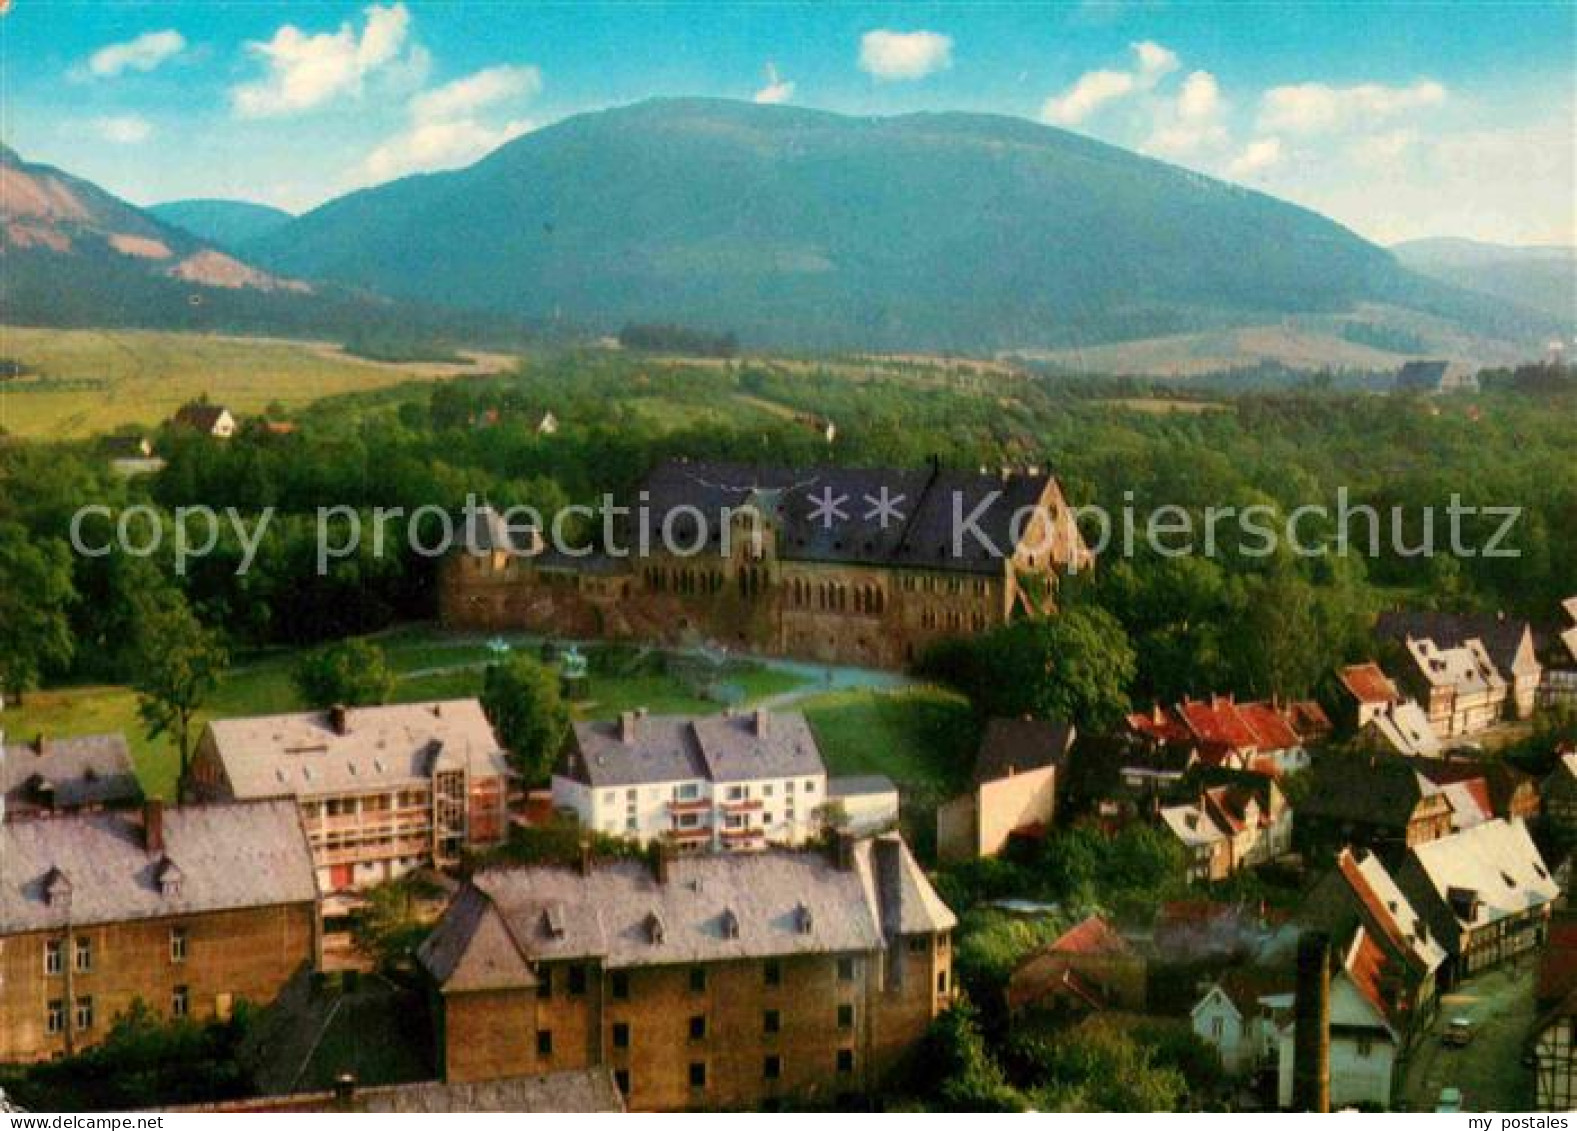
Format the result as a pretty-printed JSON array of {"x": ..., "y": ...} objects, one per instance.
[{"x": 1401, "y": 120}]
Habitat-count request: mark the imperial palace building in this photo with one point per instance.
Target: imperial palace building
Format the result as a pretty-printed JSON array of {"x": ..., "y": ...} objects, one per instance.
[{"x": 838, "y": 565}]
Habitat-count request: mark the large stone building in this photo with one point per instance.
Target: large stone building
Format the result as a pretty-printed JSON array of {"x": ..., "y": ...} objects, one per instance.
[
  {"x": 188, "y": 910},
  {"x": 382, "y": 790},
  {"x": 726, "y": 781},
  {"x": 703, "y": 980},
  {"x": 829, "y": 564}
]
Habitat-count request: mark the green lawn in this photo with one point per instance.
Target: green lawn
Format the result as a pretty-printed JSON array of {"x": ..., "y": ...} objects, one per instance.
[{"x": 429, "y": 664}]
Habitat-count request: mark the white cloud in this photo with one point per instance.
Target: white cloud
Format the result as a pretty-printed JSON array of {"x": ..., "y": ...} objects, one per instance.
[
  {"x": 122, "y": 129},
  {"x": 427, "y": 146},
  {"x": 144, "y": 53},
  {"x": 446, "y": 127},
  {"x": 1382, "y": 149},
  {"x": 1314, "y": 107},
  {"x": 904, "y": 55},
  {"x": 1255, "y": 157},
  {"x": 1155, "y": 62},
  {"x": 306, "y": 71},
  {"x": 466, "y": 96},
  {"x": 777, "y": 89},
  {"x": 1092, "y": 91},
  {"x": 1193, "y": 121}
]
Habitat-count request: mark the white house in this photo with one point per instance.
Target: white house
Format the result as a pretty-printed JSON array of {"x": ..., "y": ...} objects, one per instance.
[
  {"x": 1363, "y": 1042},
  {"x": 728, "y": 781},
  {"x": 1240, "y": 1016}
]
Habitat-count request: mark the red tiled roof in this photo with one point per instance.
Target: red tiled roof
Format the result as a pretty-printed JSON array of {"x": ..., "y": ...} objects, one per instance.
[
  {"x": 1271, "y": 730},
  {"x": 1159, "y": 724},
  {"x": 1218, "y": 721},
  {"x": 1307, "y": 718},
  {"x": 1377, "y": 913},
  {"x": 1366, "y": 966},
  {"x": 1093, "y": 936},
  {"x": 1369, "y": 684}
]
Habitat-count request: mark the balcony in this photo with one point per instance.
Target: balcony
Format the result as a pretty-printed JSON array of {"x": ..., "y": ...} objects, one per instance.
[
  {"x": 697, "y": 835},
  {"x": 734, "y": 836},
  {"x": 743, "y": 805},
  {"x": 693, "y": 805}
]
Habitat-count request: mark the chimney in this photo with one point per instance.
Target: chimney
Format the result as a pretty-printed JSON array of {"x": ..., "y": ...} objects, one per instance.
[
  {"x": 662, "y": 863},
  {"x": 39, "y": 744},
  {"x": 587, "y": 859},
  {"x": 153, "y": 825},
  {"x": 1311, "y": 1039},
  {"x": 627, "y": 727},
  {"x": 339, "y": 718},
  {"x": 763, "y": 722},
  {"x": 843, "y": 850}
]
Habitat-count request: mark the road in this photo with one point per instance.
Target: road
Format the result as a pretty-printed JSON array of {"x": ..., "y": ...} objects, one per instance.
[{"x": 1489, "y": 1070}]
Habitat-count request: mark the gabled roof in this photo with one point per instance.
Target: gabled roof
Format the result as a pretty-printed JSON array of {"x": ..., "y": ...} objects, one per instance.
[
  {"x": 1194, "y": 826},
  {"x": 675, "y": 748},
  {"x": 1405, "y": 728},
  {"x": 93, "y": 769},
  {"x": 1493, "y": 781},
  {"x": 1466, "y": 668},
  {"x": 1093, "y": 936},
  {"x": 1371, "y": 789},
  {"x": 1470, "y": 803},
  {"x": 1385, "y": 910},
  {"x": 1012, "y": 746},
  {"x": 1508, "y": 641},
  {"x": 1368, "y": 684},
  {"x": 1247, "y": 987},
  {"x": 1496, "y": 861},
  {"x": 201, "y": 416},
  {"x": 230, "y": 855},
  {"x": 712, "y": 908},
  {"x": 1369, "y": 967},
  {"x": 303, "y": 755}
]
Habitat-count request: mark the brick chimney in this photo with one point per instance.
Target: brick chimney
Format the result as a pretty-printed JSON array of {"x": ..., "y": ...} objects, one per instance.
[
  {"x": 587, "y": 858},
  {"x": 339, "y": 718},
  {"x": 763, "y": 722},
  {"x": 40, "y": 744},
  {"x": 662, "y": 863},
  {"x": 1311, "y": 1039},
  {"x": 153, "y": 825},
  {"x": 627, "y": 727}
]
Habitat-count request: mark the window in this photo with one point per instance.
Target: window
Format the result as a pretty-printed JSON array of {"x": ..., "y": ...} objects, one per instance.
[
  {"x": 577, "y": 980},
  {"x": 621, "y": 1080},
  {"x": 697, "y": 1074},
  {"x": 845, "y": 1060},
  {"x": 771, "y": 1021},
  {"x": 1365, "y": 1046},
  {"x": 630, "y": 795},
  {"x": 737, "y": 793},
  {"x": 772, "y": 1068},
  {"x": 83, "y": 961},
  {"x": 177, "y": 944},
  {"x": 621, "y": 985},
  {"x": 810, "y": 787},
  {"x": 544, "y": 981},
  {"x": 84, "y": 1013},
  {"x": 544, "y": 1043},
  {"x": 631, "y": 825},
  {"x": 919, "y": 944},
  {"x": 697, "y": 979},
  {"x": 687, "y": 792},
  {"x": 621, "y": 1034},
  {"x": 1218, "y": 1028},
  {"x": 55, "y": 1017},
  {"x": 845, "y": 969},
  {"x": 845, "y": 1016},
  {"x": 698, "y": 1027},
  {"x": 54, "y": 956},
  {"x": 941, "y": 981},
  {"x": 772, "y": 972},
  {"x": 180, "y": 1002}
]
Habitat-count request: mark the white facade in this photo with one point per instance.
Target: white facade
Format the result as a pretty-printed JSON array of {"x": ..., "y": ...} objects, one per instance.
[
  {"x": 1363, "y": 1052},
  {"x": 697, "y": 813}
]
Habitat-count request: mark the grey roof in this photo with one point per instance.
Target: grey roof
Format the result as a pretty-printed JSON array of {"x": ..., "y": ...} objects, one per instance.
[
  {"x": 93, "y": 769},
  {"x": 1421, "y": 374},
  {"x": 1372, "y": 789},
  {"x": 1467, "y": 667},
  {"x": 860, "y": 785},
  {"x": 923, "y": 540},
  {"x": 229, "y": 855},
  {"x": 1504, "y": 638},
  {"x": 668, "y": 748},
  {"x": 1497, "y": 861},
  {"x": 1406, "y": 728},
  {"x": 777, "y": 903},
  {"x": 579, "y": 1090},
  {"x": 382, "y": 747},
  {"x": 1014, "y": 745}
]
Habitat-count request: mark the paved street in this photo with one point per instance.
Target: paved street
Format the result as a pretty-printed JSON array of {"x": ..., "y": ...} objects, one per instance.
[{"x": 1489, "y": 1070}]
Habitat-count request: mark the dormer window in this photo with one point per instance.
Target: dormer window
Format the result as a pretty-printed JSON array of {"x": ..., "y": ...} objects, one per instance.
[
  {"x": 168, "y": 876},
  {"x": 654, "y": 929},
  {"x": 553, "y": 922},
  {"x": 730, "y": 923},
  {"x": 804, "y": 921}
]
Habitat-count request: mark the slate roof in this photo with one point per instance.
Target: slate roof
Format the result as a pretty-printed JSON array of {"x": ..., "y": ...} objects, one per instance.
[
  {"x": 1424, "y": 376},
  {"x": 229, "y": 855},
  {"x": 1497, "y": 861},
  {"x": 579, "y": 1090},
  {"x": 1192, "y": 825},
  {"x": 201, "y": 416},
  {"x": 1381, "y": 790},
  {"x": 1015, "y": 745},
  {"x": 1494, "y": 783},
  {"x": 712, "y": 908},
  {"x": 1467, "y": 668},
  {"x": 1387, "y": 911},
  {"x": 1406, "y": 729},
  {"x": 1502, "y": 637},
  {"x": 930, "y": 497},
  {"x": 670, "y": 748},
  {"x": 860, "y": 785},
  {"x": 90, "y": 770},
  {"x": 382, "y": 748}
]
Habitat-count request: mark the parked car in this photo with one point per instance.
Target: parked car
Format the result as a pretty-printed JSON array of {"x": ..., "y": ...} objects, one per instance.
[
  {"x": 1450, "y": 1100},
  {"x": 1458, "y": 1032}
]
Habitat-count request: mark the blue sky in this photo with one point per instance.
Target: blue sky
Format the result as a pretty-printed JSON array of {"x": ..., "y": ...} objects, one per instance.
[{"x": 1400, "y": 120}]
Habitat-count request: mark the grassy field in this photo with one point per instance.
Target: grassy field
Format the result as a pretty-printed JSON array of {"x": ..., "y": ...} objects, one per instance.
[
  {"x": 91, "y": 381},
  {"x": 429, "y": 664}
]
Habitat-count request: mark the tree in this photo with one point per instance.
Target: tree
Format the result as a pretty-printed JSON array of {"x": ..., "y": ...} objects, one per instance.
[
  {"x": 955, "y": 1070},
  {"x": 180, "y": 664},
  {"x": 35, "y": 593},
  {"x": 352, "y": 673},
  {"x": 522, "y": 700}
]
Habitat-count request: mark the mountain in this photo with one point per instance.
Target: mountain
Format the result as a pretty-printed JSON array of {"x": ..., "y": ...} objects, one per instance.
[
  {"x": 224, "y": 223},
  {"x": 1540, "y": 278},
  {"x": 801, "y": 228},
  {"x": 72, "y": 254}
]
